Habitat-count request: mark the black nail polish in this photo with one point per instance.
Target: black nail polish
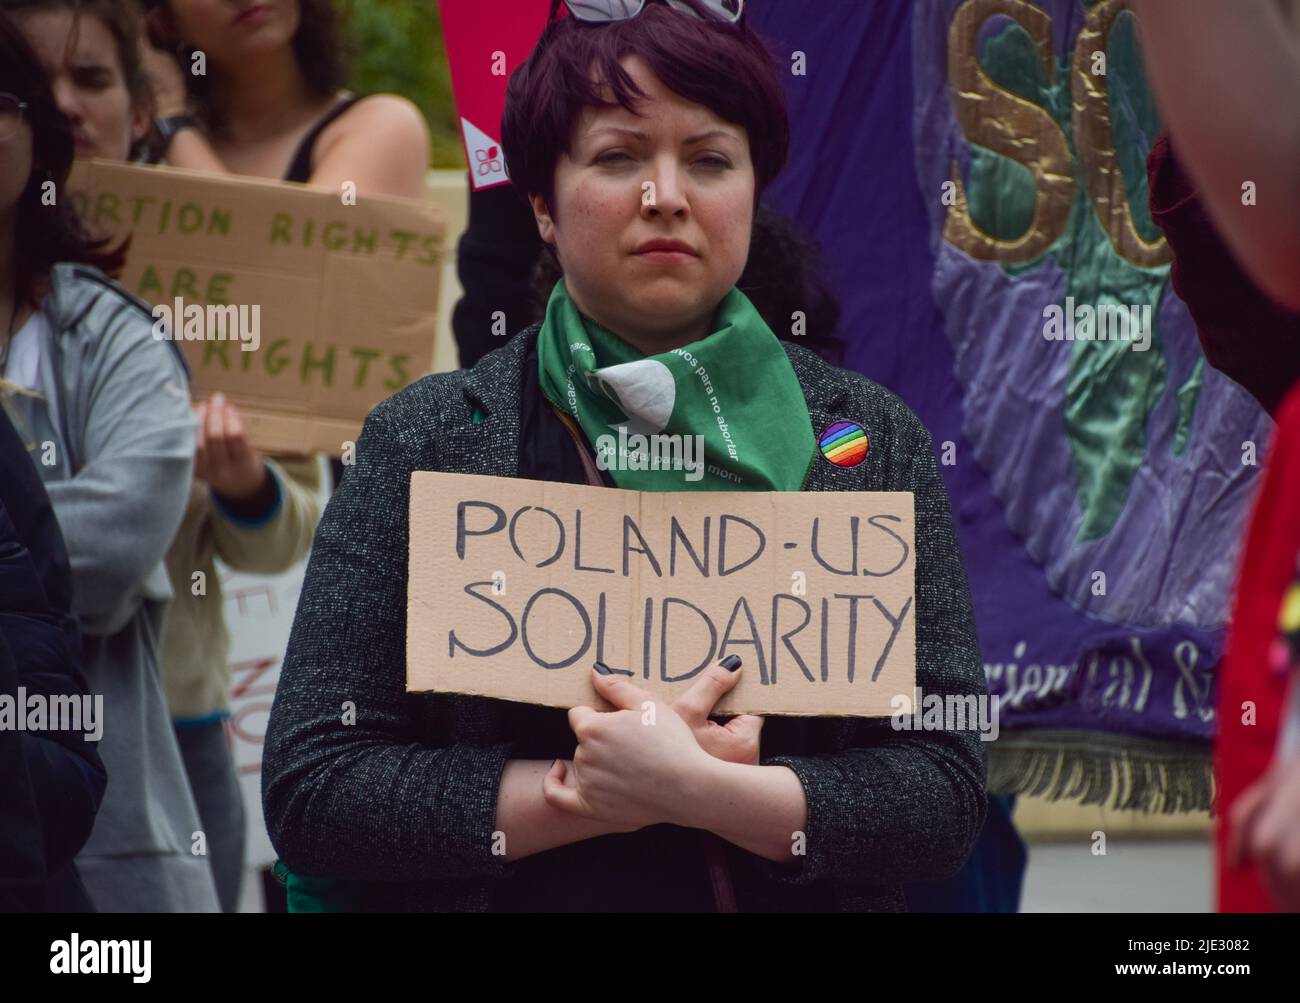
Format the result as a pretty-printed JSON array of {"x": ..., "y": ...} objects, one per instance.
[
  {"x": 603, "y": 669},
  {"x": 731, "y": 663}
]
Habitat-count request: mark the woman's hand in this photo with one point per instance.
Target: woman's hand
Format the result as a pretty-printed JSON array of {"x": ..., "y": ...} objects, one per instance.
[
  {"x": 633, "y": 764},
  {"x": 1264, "y": 825},
  {"x": 737, "y": 741},
  {"x": 224, "y": 457}
]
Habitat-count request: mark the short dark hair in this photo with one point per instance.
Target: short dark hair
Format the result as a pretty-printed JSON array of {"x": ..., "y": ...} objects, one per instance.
[
  {"x": 45, "y": 234},
  {"x": 725, "y": 67}
]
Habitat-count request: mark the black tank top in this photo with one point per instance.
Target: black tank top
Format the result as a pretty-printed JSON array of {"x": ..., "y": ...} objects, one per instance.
[
  {"x": 300, "y": 167},
  {"x": 300, "y": 171}
]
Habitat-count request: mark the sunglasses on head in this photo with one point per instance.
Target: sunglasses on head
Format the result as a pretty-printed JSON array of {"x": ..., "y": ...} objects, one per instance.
[{"x": 604, "y": 11}]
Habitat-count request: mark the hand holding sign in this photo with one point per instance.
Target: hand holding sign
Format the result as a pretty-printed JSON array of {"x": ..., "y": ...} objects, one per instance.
[
  {"x": 632, "y": 763},
  {"x": 516, "y": 586},
  {"x": 223, "y": 457},
  {"x": 737, "y": 741}
]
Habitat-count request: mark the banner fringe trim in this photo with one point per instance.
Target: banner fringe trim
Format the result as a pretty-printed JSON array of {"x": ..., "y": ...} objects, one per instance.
[{"x": 1089, "y": 767}]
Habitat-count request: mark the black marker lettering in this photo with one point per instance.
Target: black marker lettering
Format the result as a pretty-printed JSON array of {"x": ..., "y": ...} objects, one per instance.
[
  {"x": 785, "y": 638},
  {"x": 853, "y": 626},
  {"x": 743, "y": 603},
  {"x": 723, "y": 570},
  {"x": 676, "y": 532},
  {"x": 586, "y": 626},
  {"x": 577, "y": 549},
  {"x": 462, "y": 532},
  {"x": 559, "y": 547},
  {"x": 901, "y": 542},
  {"x": 453, "y": 642},
  {"x": 895, "y": 624},
  {"x": 628, "y": 523},
  {"x": 663, "y": 641},
  {"x": 853, "y": 539}
]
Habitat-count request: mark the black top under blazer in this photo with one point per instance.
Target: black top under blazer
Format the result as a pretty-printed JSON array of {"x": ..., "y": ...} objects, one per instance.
[{"x": 404, "y": 799}]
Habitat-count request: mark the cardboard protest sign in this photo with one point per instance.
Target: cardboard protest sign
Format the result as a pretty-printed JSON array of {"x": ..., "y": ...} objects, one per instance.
[
  {"x": 486, "y": 40},
  {"x": 304, "y": 307},
  {"x": 517, "y": 586},
  {"x": 258, "y": 611},
  {"x": 259, "y": 614}
]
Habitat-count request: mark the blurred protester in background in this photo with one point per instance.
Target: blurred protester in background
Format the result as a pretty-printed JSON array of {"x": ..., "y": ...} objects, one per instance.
[
  {"x": 90, "y": 52},
  {"x": 53, "y": 779},
  {"x": 22, "y": 853},
  {"x": 113, "y": 432},
  {"x": 257, "y": 515},
  {"x": 271, "y": 103},
  {"x": 1236, "y": 248},
  {"x": 1225, "y": 187}
]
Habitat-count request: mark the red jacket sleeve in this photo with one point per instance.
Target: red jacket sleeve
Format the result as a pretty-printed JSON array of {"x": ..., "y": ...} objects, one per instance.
[{"x": 1251, "y": 696}]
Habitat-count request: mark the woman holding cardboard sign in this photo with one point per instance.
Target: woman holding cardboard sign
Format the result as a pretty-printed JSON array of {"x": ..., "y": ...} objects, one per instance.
[
  {"x": 256, "y": 88},
  {"x": 643, "y": 135}
]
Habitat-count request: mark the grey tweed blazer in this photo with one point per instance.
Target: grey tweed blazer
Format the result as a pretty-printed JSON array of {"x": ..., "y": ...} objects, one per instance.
[{"x": 404, "y": 800}]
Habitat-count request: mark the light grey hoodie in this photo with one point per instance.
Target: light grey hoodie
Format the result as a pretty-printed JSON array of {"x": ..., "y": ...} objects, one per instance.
[{"x": 116, "y": 405}]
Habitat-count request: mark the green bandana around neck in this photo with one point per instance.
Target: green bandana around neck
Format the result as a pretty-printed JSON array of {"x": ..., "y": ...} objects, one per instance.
[{"x": 735, "y": 388}]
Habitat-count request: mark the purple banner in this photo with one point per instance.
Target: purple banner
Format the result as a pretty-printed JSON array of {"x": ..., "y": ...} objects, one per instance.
[{"x": 975, "y": 172}]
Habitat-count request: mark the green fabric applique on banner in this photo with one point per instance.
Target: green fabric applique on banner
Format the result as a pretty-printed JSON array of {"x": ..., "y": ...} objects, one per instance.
[{"x": 735, "y": 388}]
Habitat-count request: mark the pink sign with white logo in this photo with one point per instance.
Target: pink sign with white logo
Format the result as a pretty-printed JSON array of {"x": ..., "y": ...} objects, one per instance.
[{"x": 486, "y": 40}]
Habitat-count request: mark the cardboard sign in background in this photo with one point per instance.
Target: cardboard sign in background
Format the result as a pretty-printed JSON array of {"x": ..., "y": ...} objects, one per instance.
[
  {"x": 517, "y": 586},
  {"x": 258, "y": 610},
  {"x": 348, "y": 294}
]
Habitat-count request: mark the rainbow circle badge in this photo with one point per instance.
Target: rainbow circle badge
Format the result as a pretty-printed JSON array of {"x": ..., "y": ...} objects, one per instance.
[{"x": 844, "y": 443}]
